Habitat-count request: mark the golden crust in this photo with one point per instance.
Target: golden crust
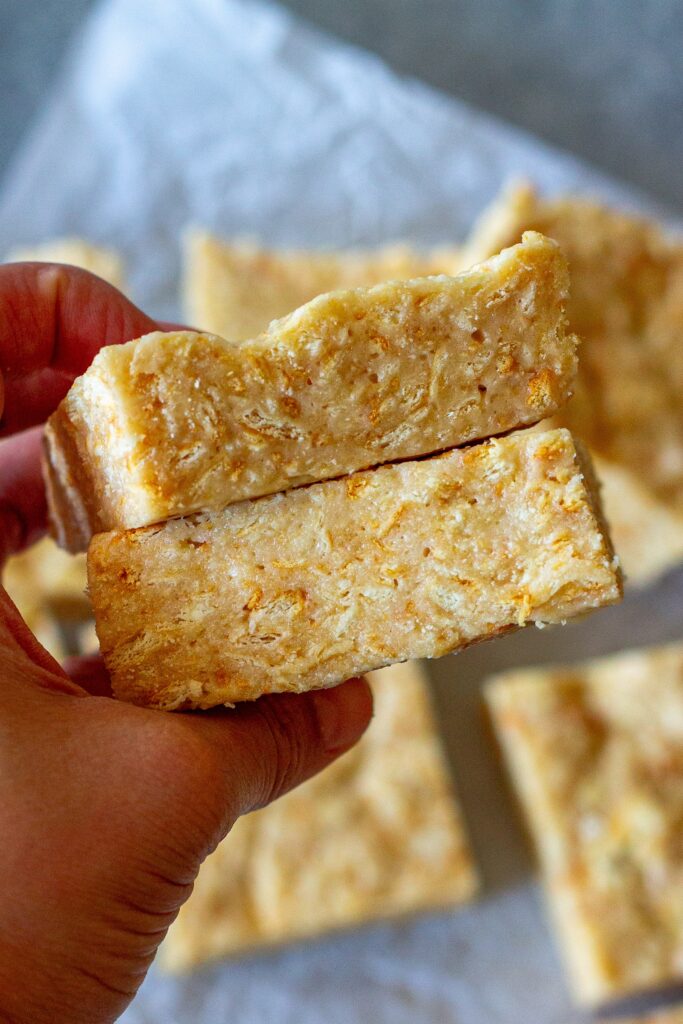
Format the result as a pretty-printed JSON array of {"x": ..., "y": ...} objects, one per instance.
[
  {"x": 304, "y": 589},
  {"x": 180, "y": 422},
  {"x": 236, "y": 289},
  {"x": 626, "y": 305},
  {"x": 73, "y": 509},
  {"x": 104, "y": 262},
  {"x": 596, "y": 755},
  {"x": 377, "y": 834}
]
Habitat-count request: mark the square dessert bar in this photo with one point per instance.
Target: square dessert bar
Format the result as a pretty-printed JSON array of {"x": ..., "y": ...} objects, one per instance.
[{"x": 596, "y": 756}]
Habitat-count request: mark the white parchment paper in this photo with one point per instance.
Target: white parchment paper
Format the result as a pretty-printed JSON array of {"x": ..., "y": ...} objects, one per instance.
[{"x": 232, "y": 115}]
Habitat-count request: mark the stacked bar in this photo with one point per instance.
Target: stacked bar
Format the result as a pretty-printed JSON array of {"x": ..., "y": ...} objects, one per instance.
[
  {"x": 246, "y": 594},
  {"x": 305, "y": 588}
]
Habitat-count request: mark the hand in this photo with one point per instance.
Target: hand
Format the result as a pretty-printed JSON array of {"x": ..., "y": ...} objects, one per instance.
[{"x": 107, "y": 810}]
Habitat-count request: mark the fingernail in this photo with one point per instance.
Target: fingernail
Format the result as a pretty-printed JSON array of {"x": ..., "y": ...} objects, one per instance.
[{"x": 343, "y": 713}]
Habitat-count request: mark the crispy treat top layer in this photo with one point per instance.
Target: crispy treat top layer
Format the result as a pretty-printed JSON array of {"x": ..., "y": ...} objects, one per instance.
[{"x": 179, "y": 422}]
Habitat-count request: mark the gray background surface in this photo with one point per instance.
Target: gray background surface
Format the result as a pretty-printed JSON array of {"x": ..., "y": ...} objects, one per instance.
[{"x": 601, "y": 78}]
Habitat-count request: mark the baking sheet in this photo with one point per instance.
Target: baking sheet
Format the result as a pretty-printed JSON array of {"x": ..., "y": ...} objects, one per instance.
[{"x": 233, "y": 115}]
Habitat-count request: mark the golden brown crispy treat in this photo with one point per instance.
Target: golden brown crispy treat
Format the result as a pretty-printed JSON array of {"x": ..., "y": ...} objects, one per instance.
[
  {"x": 236, "y": 289},
  {"x": 304, "y": 589},
  {"x": 377, "y": 834},
  {"x": 596, "y": 755},
  {"x": 104, "y": 262},
  {"x": 626, "y": 305},
  {"x": 176, "y": 423}
]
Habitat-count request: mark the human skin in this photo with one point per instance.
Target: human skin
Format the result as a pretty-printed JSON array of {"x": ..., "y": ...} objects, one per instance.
[{"x": 107, "y": 810}]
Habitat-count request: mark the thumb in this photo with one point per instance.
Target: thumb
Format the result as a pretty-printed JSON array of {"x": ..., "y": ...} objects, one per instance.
[
  {"x": 252, "y": 754},
  {"x": 287, "y": 738}
]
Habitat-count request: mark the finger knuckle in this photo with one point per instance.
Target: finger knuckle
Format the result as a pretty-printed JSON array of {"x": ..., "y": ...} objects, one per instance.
[{"x": 289, "y": 732}]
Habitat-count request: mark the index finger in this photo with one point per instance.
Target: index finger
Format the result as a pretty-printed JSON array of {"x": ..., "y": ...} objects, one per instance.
[{"x": 53, "y": 321}]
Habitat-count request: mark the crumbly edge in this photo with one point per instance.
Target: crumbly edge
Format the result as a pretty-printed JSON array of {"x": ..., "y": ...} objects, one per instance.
[
  {"x": 214, "y": 267},
  {"x": 80, "y": 502},
  {"x": 72, "y": 514},
  {"x": 593, "y": 496}
]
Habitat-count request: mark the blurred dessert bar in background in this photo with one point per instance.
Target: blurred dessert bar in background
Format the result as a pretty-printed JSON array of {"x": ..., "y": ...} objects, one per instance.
[
  {"x": 595, "y": 752},
  {"x": 376, "y": 835},
  {"x": 47, "y": 584},
  {"x": 674, "y": 1015},
  {"x": 235, "y": 289}
]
